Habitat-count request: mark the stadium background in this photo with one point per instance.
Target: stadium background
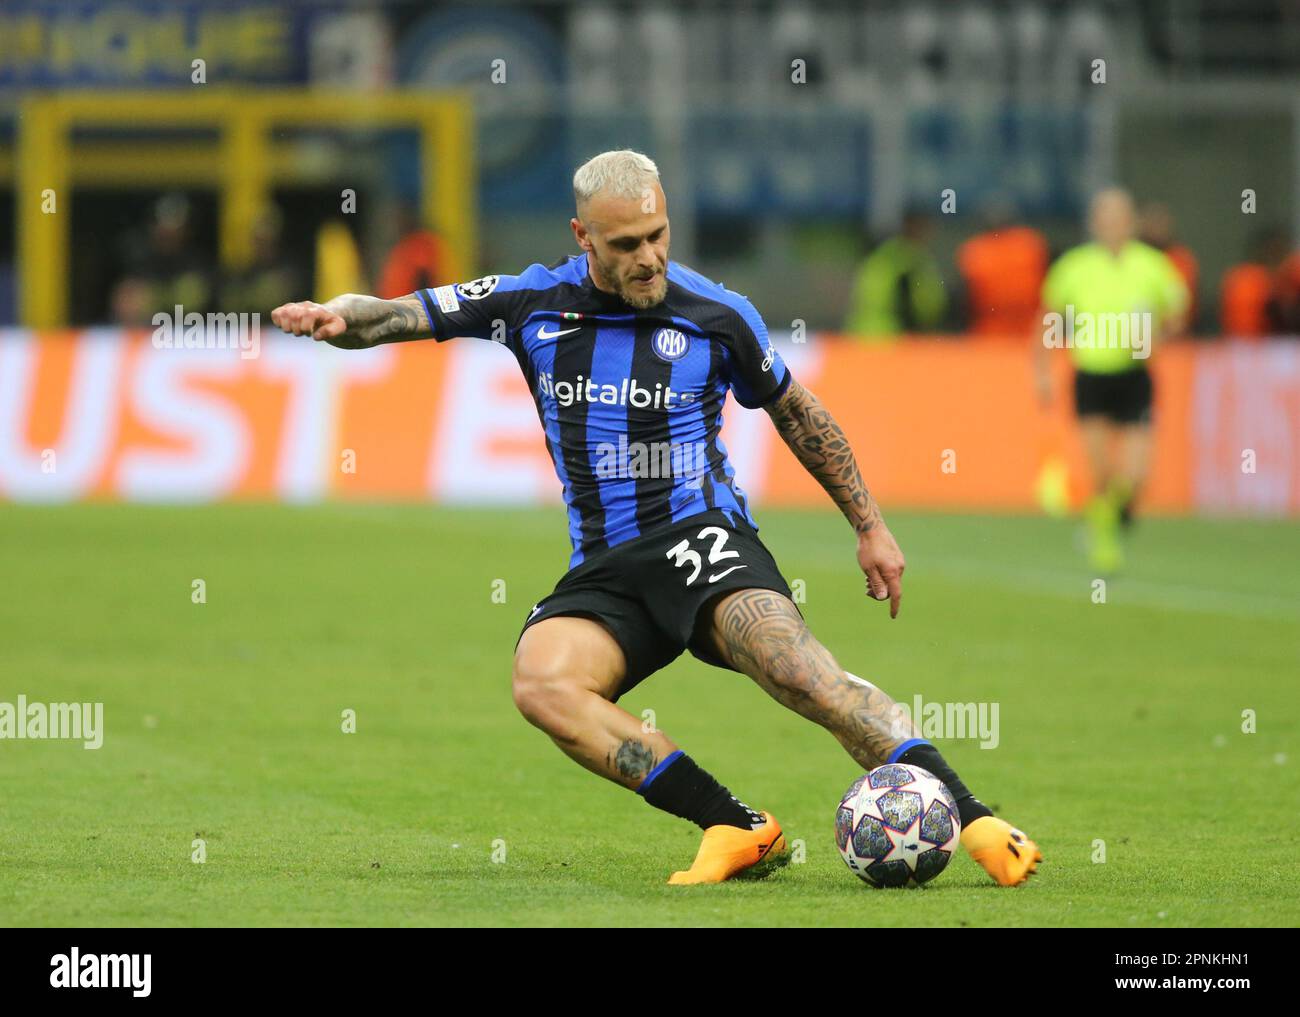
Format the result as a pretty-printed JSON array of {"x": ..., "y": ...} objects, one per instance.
[
  {"x": 416, "y": 481},
  {"x": 469, "y": 121}
]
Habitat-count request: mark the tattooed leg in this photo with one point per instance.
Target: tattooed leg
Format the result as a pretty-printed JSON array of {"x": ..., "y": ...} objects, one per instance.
[
  {"x": 760, "y": 633},
  {"x": 566, "y": 670}
]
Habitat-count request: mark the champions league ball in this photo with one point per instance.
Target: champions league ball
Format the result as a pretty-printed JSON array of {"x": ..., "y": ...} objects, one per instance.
[{"x": 897, "y": 826}]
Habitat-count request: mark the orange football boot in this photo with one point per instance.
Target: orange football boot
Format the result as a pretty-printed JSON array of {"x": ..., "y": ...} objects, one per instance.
[
  {"x": 728, "y": 850},
  {"x": 1005, "y": 853}
]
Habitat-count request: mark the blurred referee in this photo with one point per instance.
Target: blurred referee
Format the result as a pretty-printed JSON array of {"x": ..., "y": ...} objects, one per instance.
[{"x": 1110, "y": 302}]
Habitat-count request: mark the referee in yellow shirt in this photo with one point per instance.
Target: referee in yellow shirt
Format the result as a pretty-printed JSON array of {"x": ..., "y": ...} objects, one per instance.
[{"x": 1109, "y": 302}]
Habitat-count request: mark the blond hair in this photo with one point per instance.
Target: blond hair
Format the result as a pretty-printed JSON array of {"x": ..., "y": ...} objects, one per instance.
[{"x": 622, "y": 173}]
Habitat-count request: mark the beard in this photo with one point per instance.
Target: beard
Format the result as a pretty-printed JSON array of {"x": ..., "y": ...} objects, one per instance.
[{"x": 638, "y": 298}]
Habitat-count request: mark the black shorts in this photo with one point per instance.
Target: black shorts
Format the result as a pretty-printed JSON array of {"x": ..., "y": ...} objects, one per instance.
[
  {"x": 649, "y": 591},
  {"x": 1123, "y": 398}
]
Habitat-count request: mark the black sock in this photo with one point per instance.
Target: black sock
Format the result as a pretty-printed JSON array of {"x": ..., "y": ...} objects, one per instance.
[
  {"x": 926, "y": 756},
  {"x": 679, "y": 786}
]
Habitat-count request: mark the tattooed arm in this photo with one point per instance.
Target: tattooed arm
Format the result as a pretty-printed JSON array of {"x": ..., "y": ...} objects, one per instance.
[
  {"x": 354, "y": 322},
  {"x": 817, "y": 442}
]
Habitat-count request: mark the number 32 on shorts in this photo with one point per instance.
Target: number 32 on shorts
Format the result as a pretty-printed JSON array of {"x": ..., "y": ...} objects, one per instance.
[{"x": 683, "y": 554}]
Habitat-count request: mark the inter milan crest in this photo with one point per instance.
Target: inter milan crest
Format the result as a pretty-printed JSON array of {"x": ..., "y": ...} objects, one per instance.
[
  {"x": 671, "y": 344},
  {"x": 479, "y": 288}
]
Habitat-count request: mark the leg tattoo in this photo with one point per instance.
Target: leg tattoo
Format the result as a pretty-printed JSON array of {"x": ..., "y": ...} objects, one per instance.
[
  {"x": 633, "y": 760},
  {"x": 761, "y": 634}
]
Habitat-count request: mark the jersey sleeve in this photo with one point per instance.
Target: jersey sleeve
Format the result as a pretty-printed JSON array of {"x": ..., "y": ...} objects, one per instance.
[
  {"x": 758, "y": 375},
  {"x": 486, "y": 308}
]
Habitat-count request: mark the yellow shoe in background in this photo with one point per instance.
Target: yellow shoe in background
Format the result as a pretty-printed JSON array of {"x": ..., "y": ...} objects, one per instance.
[
  {"x": 1053, "y": 487},
  {"x": 1105, "y": 553}
]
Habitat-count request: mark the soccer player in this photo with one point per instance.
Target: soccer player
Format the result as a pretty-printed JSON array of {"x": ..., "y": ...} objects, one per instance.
[
  {"x": 628, "y": 355},
  {"x": 1129, "y": 295}
]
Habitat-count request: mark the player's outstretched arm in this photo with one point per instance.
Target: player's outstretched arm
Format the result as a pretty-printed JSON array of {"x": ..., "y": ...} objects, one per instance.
[
  {"x": 355, "y": 322},
  {"x": 818, "y": 442}
]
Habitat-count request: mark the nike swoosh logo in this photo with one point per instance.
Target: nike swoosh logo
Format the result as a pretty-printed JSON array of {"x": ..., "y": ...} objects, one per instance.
[
  {"x": 720, "y": 575},
  {"x": 543, "y": 334}
]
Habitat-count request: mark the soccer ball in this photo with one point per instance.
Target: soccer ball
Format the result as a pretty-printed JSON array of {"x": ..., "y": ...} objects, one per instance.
[{"x": 897, "y": 826}]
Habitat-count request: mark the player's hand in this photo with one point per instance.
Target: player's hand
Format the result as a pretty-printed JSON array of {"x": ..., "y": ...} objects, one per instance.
[
  {"x": 319, "y": 321},
  {"x": 882, "y": 562}
]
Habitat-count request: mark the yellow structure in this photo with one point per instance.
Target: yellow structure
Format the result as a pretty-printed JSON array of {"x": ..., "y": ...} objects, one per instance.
[{"x": 243, "y": 163}]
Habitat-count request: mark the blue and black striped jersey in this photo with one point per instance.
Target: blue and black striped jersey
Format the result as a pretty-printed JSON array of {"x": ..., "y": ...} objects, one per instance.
[{"x": 630, "y": 400}]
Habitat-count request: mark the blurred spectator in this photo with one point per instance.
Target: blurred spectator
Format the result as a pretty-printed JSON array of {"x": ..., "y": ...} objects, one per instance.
[
  {"x": 419, "y": 260},
  {"x": 1249, "y": 307},
  {"x": 1156, "y": 228},
  {"x": 898, "y": 287},
  {"x": 1002, "y": 270},
  {"x": 262, "y": 285},
  {"x": 1286, "y": 296},
  {"x": 163, "y": 270}
]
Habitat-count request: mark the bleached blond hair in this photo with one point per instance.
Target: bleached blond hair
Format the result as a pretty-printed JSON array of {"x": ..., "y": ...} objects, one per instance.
[{"x": 622, "y": 173}]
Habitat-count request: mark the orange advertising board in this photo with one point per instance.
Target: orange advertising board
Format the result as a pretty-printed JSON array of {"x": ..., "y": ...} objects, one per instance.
[{"x": 944, "y": 423}]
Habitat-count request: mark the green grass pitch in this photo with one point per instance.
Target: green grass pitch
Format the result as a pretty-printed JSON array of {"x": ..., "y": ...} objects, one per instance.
[{"x": 1119, "y": 722}]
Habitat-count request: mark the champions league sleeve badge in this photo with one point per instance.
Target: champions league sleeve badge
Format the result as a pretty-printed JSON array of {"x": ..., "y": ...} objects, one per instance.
[{"x": 478, "y": 288}]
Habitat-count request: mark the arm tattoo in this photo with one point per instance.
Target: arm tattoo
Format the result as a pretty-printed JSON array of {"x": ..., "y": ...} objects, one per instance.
[
  {"x": 373, "y": 321},
  {"x": 817, "y": 442},
  {"x": 761, "y": 633}
]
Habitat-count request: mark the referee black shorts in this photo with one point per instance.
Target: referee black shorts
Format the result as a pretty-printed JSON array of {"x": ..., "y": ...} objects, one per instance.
[
  {"x": 1123, "y": 398},
  {"x": 650, "y": 591}
]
